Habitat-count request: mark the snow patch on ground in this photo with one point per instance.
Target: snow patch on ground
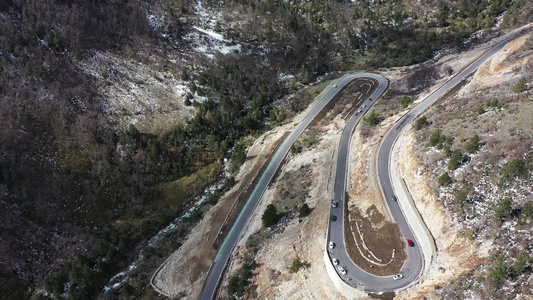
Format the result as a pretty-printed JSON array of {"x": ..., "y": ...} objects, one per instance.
[
  {"x": 135, "y": 93},
  {"x": 209, "y": 42}
]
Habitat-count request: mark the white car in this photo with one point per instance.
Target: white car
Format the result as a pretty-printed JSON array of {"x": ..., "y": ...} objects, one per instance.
[
  {"x": 397, "y": 276},
  {"x": 342, "y": 270},
  {"x": 331, "y": 245},
  {"x": 335, "y": 261}
]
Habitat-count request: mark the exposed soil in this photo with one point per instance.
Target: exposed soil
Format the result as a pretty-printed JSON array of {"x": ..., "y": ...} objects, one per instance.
[
  {"x": 185, "y": 270},
  {"x": 375, "y": 244},
  {"x": 368, "y": 216},
  {"x": 241, "y": 195}
]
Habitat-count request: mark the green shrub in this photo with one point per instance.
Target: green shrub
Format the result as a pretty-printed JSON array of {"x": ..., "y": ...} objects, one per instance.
[
  {"x": 527, "y": 210},
  {"x": 296, "y": 264},
  {"x": 494, "y": 103},
  {"x": 455, "y": 161},
  {"x": 184, "y": 75},
  {"x": 520, "y": 86},
  {"x": 304, "y": 210},
  {"x": 480, "y": 110},
  {"x": 238, "y": 156},
  {"x": 373, "y": 119},
  {"x": 521, "y": 263},
  {"x": 406, "y": 101},
  {"x": 473, "y": 145},
  {"x": 270, "y": 216},
  {"x": 445, "y": 179},
  {"x": 513, "y": 169},
  {"x": 439, "y": 140},
  {"x": 503, "y": 209},
  {"x": 421, "y": 122},
  {"x": 497, "y": 273},
  {"x": 470, "y": 235},
  {"x": 461, "y": 195},
  {"x": 232, "y": 285}
]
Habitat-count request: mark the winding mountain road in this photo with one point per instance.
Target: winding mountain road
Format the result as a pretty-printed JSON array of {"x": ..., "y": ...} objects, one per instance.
[
  {"x": 414, "y": 264},
  {"x": 375, "y": 86},
  {"x": 369, "y": 82}
]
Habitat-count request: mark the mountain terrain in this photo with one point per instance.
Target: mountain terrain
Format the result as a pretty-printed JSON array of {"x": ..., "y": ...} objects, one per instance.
[{"x": 123, "y": 122}]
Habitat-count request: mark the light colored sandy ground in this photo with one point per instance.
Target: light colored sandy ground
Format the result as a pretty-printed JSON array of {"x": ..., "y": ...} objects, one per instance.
[
  {"x": 497, "y": 69},
  {"x": 306, "y": 239},
  {"x": 455, "y": 253},
  {"x": 364, "y": 188}
]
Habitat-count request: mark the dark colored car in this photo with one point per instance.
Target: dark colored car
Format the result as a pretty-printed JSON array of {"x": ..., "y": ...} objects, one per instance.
[
  {"x": 333, "y": 218},
  {"x": 410, "y": 243},
  {"x": 394, "y": 198}
]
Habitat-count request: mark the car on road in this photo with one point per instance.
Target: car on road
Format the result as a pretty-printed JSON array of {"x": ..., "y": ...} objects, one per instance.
[
  {"x": 335, "y": 261},
  {"x": 394, "y": 198},
  {"x": 359, "y": 111},
  {"x": 397, "y": 276},
  {"x": 331, "y": 245},
  {"x": 364, "y": 105},
  {"x": 410, "y": 243},
  {"x": 334, "y": 204},
  {"x": 333, "y": 218},
  {"x": 342, "y": 270}
]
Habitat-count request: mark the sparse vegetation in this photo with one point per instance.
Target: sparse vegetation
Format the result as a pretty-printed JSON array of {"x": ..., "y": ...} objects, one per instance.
[
  {"x": 406, "y": 101},
  {"x": 502, "y": 210},
  {"x": 520, "y": 86},
  {"x": 373, "y": 119},
  {"x": 296, "y": 264}
]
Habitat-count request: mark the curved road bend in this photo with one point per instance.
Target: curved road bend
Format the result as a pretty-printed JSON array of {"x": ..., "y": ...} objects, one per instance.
[
  {"x": 355, "y": 276},
  {"x": 214, "y": 276},
  {"x": 410, "y": 272},
  {"x": 414, "y": 264}
]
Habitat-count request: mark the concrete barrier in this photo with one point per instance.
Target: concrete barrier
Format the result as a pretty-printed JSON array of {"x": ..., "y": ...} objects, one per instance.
[
  {"x": 405, "y": 201},
  {"x": 347, "y": 291}
]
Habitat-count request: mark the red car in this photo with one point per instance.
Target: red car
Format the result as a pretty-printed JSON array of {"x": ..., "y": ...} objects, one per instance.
[{"x": 410, "y": 243}]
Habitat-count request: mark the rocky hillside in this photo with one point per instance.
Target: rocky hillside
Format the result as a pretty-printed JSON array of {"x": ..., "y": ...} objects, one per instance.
[
  {"x": 115, "y": 114},
  {"x": 478, "y": 146}
]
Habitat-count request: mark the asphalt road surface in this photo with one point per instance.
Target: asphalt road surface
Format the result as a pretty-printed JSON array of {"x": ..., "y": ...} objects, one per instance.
[
  {"x": 414, "y": 264},
  {"x": 210, "y": 287}
]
